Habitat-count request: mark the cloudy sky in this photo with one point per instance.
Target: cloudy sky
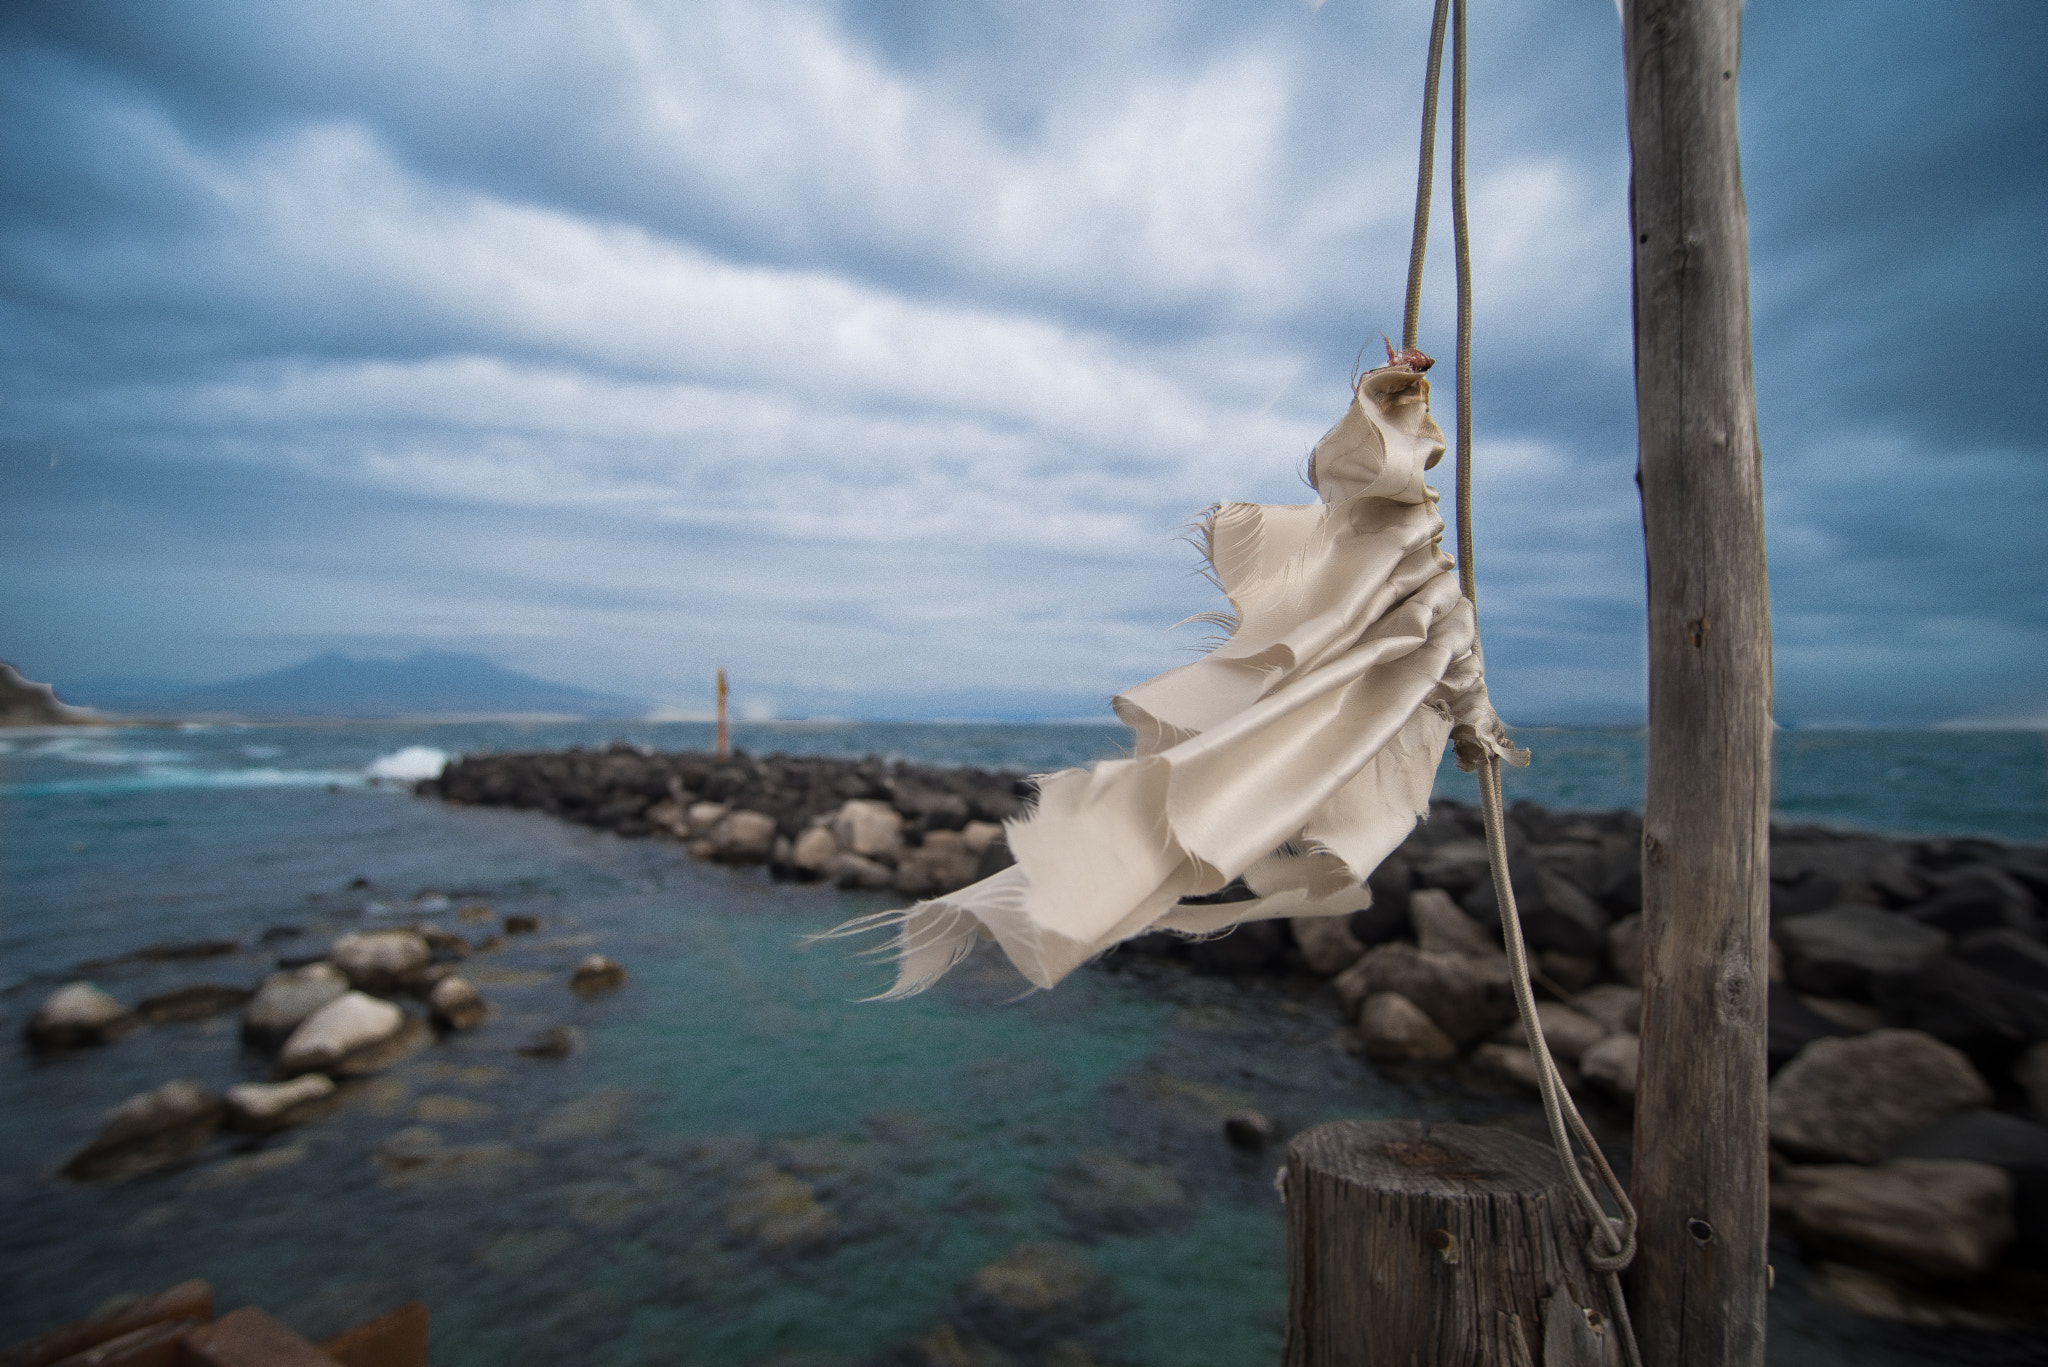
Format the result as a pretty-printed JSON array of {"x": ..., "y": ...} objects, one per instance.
[{"x": 878, "y": 350}]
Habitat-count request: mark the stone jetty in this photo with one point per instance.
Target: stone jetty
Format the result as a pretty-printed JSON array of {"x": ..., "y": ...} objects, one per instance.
[{"x": 1908, "y": 994}]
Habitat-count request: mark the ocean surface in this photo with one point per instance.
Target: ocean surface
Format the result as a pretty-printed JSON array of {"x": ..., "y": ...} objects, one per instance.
[{"x": 587, "y": 1213}]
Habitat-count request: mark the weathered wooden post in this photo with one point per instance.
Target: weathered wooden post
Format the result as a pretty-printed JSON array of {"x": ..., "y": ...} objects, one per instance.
[
  {"x": 1700, "y": 1182},
  {"x": 1453, "y": 1245}
]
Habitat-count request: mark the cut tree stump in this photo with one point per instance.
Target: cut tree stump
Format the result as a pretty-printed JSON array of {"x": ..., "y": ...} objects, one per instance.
[{"x": 1450, "y": 1246}]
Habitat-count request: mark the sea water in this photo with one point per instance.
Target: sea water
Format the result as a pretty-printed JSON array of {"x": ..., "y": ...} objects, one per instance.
[{"x": 591, "y": 1217}]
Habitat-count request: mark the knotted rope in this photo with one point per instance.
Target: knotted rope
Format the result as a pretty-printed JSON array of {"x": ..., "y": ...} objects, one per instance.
[{"x": 1613, "y": 1245}]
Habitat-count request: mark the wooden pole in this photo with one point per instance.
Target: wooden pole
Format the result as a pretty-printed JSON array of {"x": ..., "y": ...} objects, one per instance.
[
  {"x": 724, "y": 745},
  {"x": 1458, "y": 1246},
  {"x": 1700, "y": 1183}
]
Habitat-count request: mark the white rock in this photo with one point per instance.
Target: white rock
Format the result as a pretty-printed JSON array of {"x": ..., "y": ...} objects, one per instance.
[
  {"x": 868, "y": 828},
  {"x": 1326, "y": 943},
  {"x": 1943, "y": 1217},
  {"x": 1615, "y": 1006},
  {"x": 743, "y": 837},
  {"x": 1611, "y": 1065},
  {"x": 979, "y": 835},
  {"x": 270, "y": 1105},
  {"x": 1395, "y": 1028},
  {"x": 285, "y": 999},
  {"x": 849, "y": 870},
  {"x": 76, "y": 1014},
  {"x": 813, "y": 850},
  {"x": 349, "y": 1024},
  {"x": 704, "y": 815},
  {"x": 380, "y": 960}
]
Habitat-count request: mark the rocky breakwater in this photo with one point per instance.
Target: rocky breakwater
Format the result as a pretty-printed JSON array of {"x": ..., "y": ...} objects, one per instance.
[
  {"x": 869, "y": 823},
  {"x": 309, "y": 1030}
]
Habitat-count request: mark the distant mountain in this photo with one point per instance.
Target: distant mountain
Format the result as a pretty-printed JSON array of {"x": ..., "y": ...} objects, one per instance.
[{"x": 429, "y": 684}]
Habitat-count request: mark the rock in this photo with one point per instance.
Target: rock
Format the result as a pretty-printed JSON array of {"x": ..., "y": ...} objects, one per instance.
[
  {"x": 76, "y": 1015},
  {"x": 1978, "y": 898},
  {"x": 475, "y": 912},
  {"x": 1392, "y": 1027},
  {"x": 557, "y": 1041},
  {"x": 196, "y": 1002},
  {"x": 1618, "y": 1008},
  {"x": 397, "y": 1338},
  {"x": 1568, "y": 1033},
  {"x": 1972, "y": 1008},
  {"x": 1571, "y": 972},
  {"x": 284, "y": 1000},
  {"x": 1940, "y": 1218},
  {"x": 261, "y": 1106},
  {"x": 1440, "y": 928},
  {"x": 1391, "y": 885},
  {"x": 380, "y": 960},
  {"x": 2008, "y": 953},
  {"x": 596, "y": 974},
  {"x": 1611, "y": 1066},
  {"x": 852, "y": 871},
  {"x": 352, "y": 1024},
  {"x": 702, "y": 816},
  {"x": 1033, "y": 1278},
  {"x": 868, "y": 828},
  {"x": 1516, "y": 1066},
  {"x": 1555, "y": 915},
  {"x": 1457, "y": 866},
  {"x": 149, "y": 1131},
  {"x": 456, "y": 1004},
  {"x": 979, "y": 835},
  {"x": 813, "y": 850},
  {"x": 517, "y": 924},
  {"x": 189, "y": 949},
  {"x": 1468, "y": 998},
  {"x": 2004, "y": 1141},
  {"x": 1326, "y": 943},
  {"x": 443, "y": 942},
  {"x": 1849, "y": 1099},
  {"x": 670, "y": 818},
  {"x": 941, "y": 864},
  {"x": 777, "y": 1211},
  {"x": 2030, "y": 1072},
  {"x": 1792, "y": 1025},
  {"x": 1246, "y": 948},
  {"x": 1102, "y": 1193},
  {"x": 1248, "y": 1130},
  {"x": 178, "y": 1309},
  {"x": 1035, "y": 1298},
  {"x": 1625, "y": 949},
  {"x": 1855, "y": 1018},
  {"x": 249, "y": 1338},
  {"x": 1836, "y": 953},
  {"x": 743, "y": 837}
]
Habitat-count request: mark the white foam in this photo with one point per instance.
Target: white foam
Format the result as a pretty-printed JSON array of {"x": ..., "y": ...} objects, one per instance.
[{"x": 409, "y": 765}]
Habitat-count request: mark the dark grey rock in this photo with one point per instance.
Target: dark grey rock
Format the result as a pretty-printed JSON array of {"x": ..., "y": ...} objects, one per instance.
[
  {"x": 1972, "y": 1008},
  {"x": 196, "y": 1002},
  {"x": 1467, "y": 998},
  {"x": 1245, "y": 948},
  {"x": 1981, "y": 898},
  {"x": 1249, "y": 1131},
  {"x": 149, "y": 1131},
  {"x": 1835, "y": 953},
  {"x": 1794, "y": 1025},
  {"x": 1848, "y": 1100},
  {"x": 1555, "y": 914},
  {"x": 2005, "y": 1141},
  {"x": 2008, "y": 953}
]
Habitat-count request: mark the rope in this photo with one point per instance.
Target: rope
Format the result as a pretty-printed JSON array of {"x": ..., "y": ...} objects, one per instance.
[{"x": 1613, "y": 1246}]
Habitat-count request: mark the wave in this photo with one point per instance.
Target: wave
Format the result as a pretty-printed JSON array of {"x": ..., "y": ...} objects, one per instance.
[{"x": 409, "y": 765}]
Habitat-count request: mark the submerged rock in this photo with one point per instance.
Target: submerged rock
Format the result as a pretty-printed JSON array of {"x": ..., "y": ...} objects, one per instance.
[
  {"x": 1466, "y": 997},
  {"x": 1102, "y": 1193},
  {"x": 1249, "y": 1131},
  {"x": 596, "y": 974},
  {"x": 1848, "y": 1099},
  {"x": 260, "y": 1106},
  {"x": 776, "y": 1211},
  {"x": 284, "y": 1000},
  {"x": 456, "y": 1004},
  {"x": 1326, "y": 943},
  {"x": 344, "y": 1030},
  {"x": 557, "y": 1041},
  {"x": 149, "y": 1131},
  {"x": 196, "y": 1002},
  {"x": 77, "y": 1015}
]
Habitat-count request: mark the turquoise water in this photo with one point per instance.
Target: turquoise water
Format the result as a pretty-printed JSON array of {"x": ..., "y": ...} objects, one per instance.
[{"x": 584, "y": 1218}]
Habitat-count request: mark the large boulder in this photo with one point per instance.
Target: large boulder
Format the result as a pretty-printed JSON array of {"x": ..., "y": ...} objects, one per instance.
[
  {"x": 873, "y": 830},
  {"x": 1392, "y": 1027},
  {"x": 2004, "y": 1141},
  {"x": 1244, "y": 948},
  {"x": 346, "y": 1029},
  {"x": 858, "y": 872},
  {"x": 149, "y": 1131},
  {"x": 1836, "y": 953},
  {"x": 1554, "y": 913},
  {"x": 261, "y": 1106},
  {"x": 1625, "y": 949},
  {"x": 1512, "y": 1065},
  {"x": 1611, "y": 1065},
  {"x": 1793, "y": 1025},
  {"x": 1989, "y": 1015},
  {"x": 1849, "y": 1099},
  {"x": 1440, "y": 928},
  {"x": 741, "y": 837},
  {"x": 76, "y": 1015},
  {"x": 2008, "y": 953},
  {"x": 1618, "y": 1007},
  {"x": 941, "y": 863},
  {"x": 1326, "y": 943},
  {"x": 1939, "y": 1218},
  {"x": 285, "y": 999},
  {"x": 1467, "y": 997},
  {"x": 1567, "y": 1032},
  {"x": 1978, "y": 898},
  {"x": 813, "y": 850},
  {"x": 380, "y": 960}
]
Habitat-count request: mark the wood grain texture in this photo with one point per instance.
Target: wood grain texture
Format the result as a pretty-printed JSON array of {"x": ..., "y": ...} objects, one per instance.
[
  {"x": 1450, "y": 1246},
  {"x": 1700, "y": 1182}
]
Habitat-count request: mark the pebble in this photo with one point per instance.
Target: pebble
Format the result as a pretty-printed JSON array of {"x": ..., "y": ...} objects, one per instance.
[
  {"x": 262, "y": 1106},
  {"x": 77, "y": 1015},
  {"x": 380, "y": 960},
  {"x": 457, "y": 1005},
  {"x": 596, "y": 974}
]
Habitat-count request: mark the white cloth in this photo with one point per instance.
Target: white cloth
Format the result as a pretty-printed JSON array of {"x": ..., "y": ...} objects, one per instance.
[{"x": 1298, "y": 754}]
